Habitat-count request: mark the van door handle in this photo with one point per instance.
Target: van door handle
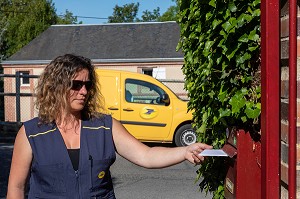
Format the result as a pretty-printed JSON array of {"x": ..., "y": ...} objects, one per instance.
[
  {"x": 113, "y": 108},
  {"x": 127, "y": 109}
]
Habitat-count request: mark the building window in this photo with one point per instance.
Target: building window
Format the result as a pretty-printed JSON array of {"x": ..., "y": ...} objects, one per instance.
[
  {"x": 159, "y": 73},
  {"x": 147, "y": 71},
  {"x": 25, "y": 80}
]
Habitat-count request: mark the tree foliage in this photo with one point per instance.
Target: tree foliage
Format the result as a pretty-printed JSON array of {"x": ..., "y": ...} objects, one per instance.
[
  {"x": 67, "y": 18},
  {"x": 171, "y": 13},
  {"x": 150, "y": 16},
  {"x": 221, "y": 45},
  {"x": 129, "y": 13},
  {"x": 126, "y": 13},
  {"x": 22, "y": 20}
]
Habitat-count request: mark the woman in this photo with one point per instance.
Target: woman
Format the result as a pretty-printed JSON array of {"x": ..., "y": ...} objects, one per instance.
[{"x": 68, "y": 149}]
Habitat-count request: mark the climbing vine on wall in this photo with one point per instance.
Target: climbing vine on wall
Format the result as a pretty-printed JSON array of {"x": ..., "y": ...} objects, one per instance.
[{"x": 221, "y": 45}]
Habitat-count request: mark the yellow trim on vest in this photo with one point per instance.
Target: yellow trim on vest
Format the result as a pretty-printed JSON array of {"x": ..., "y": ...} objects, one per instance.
[
  {"x": 43, "y": 133},
  {"x": 96, "y": 128}
]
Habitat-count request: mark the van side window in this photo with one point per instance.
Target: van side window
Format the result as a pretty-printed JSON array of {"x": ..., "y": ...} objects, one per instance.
[{"x": 137, "y": 91}]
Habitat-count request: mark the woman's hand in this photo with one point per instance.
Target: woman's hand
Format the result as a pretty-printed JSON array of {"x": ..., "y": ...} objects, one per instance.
[{"x": 193, "y": 150}]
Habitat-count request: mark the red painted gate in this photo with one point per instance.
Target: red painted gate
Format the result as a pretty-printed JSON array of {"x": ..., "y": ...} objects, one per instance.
[
  {"x": 270, "y": 76},
  {"x": 254, "y": 172}
]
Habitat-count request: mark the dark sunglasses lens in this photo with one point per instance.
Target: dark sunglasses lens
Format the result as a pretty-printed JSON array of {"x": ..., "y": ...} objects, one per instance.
[
  {"x": 77, "y": 85},
  {"x": 88, "y": 85}
]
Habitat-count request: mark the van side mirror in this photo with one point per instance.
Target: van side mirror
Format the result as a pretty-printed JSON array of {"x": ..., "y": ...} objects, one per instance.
[{"x": 165, "y": 99}]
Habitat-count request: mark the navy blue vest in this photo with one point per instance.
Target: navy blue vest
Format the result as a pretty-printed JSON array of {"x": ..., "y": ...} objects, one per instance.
[{"x": 52, "y": 174}]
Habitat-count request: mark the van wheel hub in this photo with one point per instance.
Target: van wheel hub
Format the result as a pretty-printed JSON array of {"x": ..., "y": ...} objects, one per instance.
[
  {"x": 185, "y": 135},
  {"x": 188, "y": 137}
]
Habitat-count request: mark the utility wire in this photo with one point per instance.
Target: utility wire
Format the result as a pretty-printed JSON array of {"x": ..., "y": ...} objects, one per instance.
[
  {"x": 11, "y": 11},
  {"x": 85, "y": 17}
]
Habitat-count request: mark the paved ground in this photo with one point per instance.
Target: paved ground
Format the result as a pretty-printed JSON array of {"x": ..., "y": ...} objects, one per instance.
[
  {"x": 131, "y": 181},
  {"x": 176, "y": 182},
  {"x": 5, "y": 159}
]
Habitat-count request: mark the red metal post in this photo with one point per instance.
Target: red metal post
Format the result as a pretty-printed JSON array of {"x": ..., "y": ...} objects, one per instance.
[
  {"x": 292, "y": 97},
  {"x": 270, "y": 82}
]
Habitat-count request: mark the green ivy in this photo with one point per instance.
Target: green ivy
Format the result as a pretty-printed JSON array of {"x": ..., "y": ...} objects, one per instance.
[{"x": 221, "y": 45}]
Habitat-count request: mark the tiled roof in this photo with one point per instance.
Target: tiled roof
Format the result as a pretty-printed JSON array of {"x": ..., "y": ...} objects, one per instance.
[{"x": 154, "y": 40}]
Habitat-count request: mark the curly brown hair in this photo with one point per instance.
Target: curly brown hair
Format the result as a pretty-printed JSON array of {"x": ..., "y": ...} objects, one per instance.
[{"x": 54, "y": 86}]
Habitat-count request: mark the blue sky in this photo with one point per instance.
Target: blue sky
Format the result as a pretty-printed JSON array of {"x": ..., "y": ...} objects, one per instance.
[{"x": 104, "y": 8}]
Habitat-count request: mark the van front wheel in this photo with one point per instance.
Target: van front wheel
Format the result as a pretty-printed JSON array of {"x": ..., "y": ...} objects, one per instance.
[{"x": 185, "y": 135}]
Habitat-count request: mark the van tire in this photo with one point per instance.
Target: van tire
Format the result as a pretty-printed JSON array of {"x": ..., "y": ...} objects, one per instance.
[{"x": 185, "y": 135}]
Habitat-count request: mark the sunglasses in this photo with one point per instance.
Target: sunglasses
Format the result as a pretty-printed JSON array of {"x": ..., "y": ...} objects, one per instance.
[{"x": 77, "y": 85}]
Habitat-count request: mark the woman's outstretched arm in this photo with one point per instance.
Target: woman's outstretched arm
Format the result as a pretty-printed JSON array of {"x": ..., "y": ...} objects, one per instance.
[{"x": 153, "y": 157}]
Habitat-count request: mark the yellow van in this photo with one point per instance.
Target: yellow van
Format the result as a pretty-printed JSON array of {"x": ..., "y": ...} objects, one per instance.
[{"x": 148, "y": 109}]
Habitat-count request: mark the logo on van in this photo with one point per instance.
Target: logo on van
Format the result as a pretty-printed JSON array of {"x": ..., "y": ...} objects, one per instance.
[{"x": 148, "y": 112}]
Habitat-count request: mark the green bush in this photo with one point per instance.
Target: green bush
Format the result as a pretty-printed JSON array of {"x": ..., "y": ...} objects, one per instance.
[{"x": 221, "y": 45}]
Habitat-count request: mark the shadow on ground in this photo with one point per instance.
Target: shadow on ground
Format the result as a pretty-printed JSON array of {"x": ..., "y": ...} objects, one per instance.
[
  {"x": 5, "y": 154},
  {"x": 8, "y": 131}
]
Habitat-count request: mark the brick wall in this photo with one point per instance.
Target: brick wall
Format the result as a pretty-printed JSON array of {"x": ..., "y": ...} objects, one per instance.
[{"x": 284, "y": 101}]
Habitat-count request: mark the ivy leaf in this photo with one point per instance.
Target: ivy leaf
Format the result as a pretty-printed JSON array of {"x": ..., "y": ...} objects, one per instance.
[
  {"x": 227, "y": 14},
  {"x": 224, "y": 74},
  {"x": 244, "y": 91},
  {"x": 215, "y": 23},
  {"x": 204, "y": 117},
  {"x": 244, "y": 119},
  {"x": 222, "y": 94},
  {"x": 237, "y": 102},
  {"x": 244, "y": 38},
  {"x": 208, "y": 16},
  {"x": 241, "y": 20},
  {"x": 232, "y": 7},
  {"x": 211, "y": 94},
  {"x": 212, "y": 3},
  {"x": 219, "y": 59},
  {"x": 247, "y": 17},
  {"x": 207, "y": 48},
  {"x": 252, "y": 48},
  {"x": 243, "y": 58},
  {"x": 215, "y": 120},
  {"x": 202, "y": 128},
  {"x": 229, "y": 56},
  {"x": 252, "y": 112},
  {"x": 189, "y": 57},
  {"x": 246, "y": 79},
  {"x": 253, "y": 36},
  {"x": 222, "y": 33},
  {"x": 189, "y": 85},
  {"x": 227, "y": 26},
  {"x": 258, "y": 105},
  {"x": 179, "y": 46},
  {"x": 256, "y": 13},
  {"x": 223, "y": 113},
  {"x": 256, "y": 2},
  {"x": 224, "y": 65}
]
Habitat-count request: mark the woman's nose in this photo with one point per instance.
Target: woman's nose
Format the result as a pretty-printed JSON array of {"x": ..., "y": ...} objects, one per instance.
[{"x": 83, "y": 90}]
